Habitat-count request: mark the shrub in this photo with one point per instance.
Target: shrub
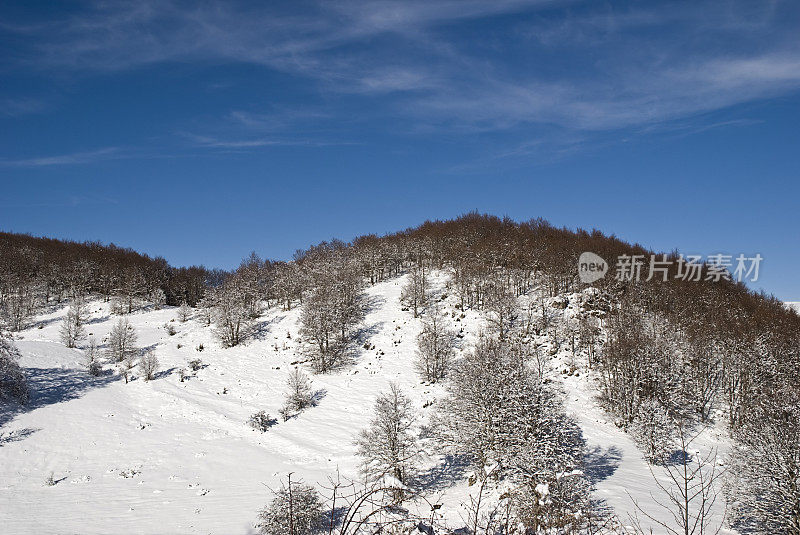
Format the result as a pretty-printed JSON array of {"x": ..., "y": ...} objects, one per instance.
[
  {"x": 300, "y": 509},
  {"x": 261, "y": 421}
]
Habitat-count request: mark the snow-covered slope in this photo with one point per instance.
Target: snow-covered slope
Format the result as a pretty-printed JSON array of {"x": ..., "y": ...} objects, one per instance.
[{"x": 177, "y": 457}]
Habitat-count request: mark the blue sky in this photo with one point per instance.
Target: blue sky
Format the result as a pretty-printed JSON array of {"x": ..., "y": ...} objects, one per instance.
[{"x": 202, "y": 131}]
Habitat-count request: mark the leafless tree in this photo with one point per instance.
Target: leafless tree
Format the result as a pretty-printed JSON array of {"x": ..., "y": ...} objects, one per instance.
[
  {"x": 414, "y": 293},
  {"x": 298, "y": 394},
  {"x": 148, "y": 364},
  {"x": 435, "y": 347},
  {"x": 690, "y": 492},
  {"x": 387, "y": 445},
  {"x": 184, "y": 312},
  {"x": 13, "y": 383},
  {"x": 122, "y": 342},
  {"x": 72, "y": 327}
]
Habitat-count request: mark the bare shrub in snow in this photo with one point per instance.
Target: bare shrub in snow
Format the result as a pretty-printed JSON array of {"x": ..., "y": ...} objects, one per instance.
[
  {"x": 387, "y": 445},
  {"x": 261, "y": 421},
  {"x": 122, "y": 341},
  {"x": 295, "y": 509},
  {"x": 435, "y": 347},
  {"x": 148, "y": 365},
  {"x": 195, "y": 364},
  {"x": 170, "y": 329},
  {"x": 13, "y": 383},
  {"x": 72, "y": 327}
]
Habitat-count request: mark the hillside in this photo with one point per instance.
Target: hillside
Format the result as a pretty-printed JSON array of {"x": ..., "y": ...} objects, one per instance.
[
  {"x": 553, "y": 406},
  {"x": 180, "y": 455}
]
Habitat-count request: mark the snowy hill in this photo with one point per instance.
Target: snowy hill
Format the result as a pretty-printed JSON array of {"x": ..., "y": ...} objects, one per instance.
[{"x": 172, "y": 456}]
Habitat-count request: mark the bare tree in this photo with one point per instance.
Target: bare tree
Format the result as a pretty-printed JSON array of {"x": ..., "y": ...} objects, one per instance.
[
  {"x": 184, "y": 312},
  {"x": 298, "y": 394},
  {"x": 148, "y": 364},
  {"x": 126, "y": 365},
  {"x": 333, "y": 308},
  {"x": 435, "y": 347},
  {"x": 13, "y": 383},
  {"x": 122, "y": 342},
  {"x": 501, "y": 306},
  {"x": 414, "y": 293},
  {"x": 232, "y": 313},
  {"x": 387, "y": 446},
  {"x": 690, "y": 492},
  {"x": 72, "y": 328},
  {"x": 764, "y": 474}
]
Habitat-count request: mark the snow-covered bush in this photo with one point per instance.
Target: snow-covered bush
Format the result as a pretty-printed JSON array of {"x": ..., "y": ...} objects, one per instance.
[
  {"x": 170, "y": 329},
  {"x": 13, "y": 383},
  {"x": 261, "y": 421},
  {"x": 295, "y": 509},
  {"x": 195, "y": 364}
]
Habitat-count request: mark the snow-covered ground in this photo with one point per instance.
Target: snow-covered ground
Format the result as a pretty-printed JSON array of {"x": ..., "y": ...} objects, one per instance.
[{"x": 178, "y": 457}]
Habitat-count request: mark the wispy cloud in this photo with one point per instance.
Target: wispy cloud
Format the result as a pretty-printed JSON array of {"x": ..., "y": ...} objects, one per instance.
[
  {"x": 21, "y": 106},
  {"x": 74, "y": 158},
  {"x": 421, "y": 67}
]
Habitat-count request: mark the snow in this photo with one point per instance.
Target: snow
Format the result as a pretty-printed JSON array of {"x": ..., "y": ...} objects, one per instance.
[{"x": 178, "y": 457}]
